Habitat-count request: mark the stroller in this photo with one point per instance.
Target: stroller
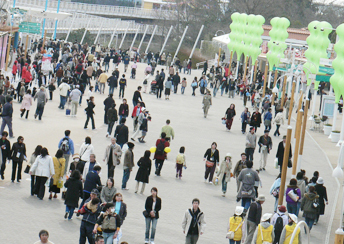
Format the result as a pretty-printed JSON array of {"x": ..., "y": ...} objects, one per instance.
[
  {"x": 154, "y": 87},
  {"x": 133, "y": 73}
]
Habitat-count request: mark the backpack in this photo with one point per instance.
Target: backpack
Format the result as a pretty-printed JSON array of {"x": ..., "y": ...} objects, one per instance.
[
  {"x": 278, "y": 227},
  {"x": 79, "y": 68},
  {"x": 65, "y": 145},
  {"x": 160, "y": 148}
]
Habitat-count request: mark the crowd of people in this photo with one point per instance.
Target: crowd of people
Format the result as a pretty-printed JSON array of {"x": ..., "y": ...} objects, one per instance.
[{"x": 74, "y": 70}]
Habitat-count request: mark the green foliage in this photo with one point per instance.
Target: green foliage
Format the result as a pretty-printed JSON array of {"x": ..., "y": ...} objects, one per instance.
[{"x": 77, "y": 36}]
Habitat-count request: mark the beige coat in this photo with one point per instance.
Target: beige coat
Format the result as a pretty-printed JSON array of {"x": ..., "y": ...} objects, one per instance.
[
  {"x": 116, "y": 159},
  {"x": 225, "y": 169},
  {"x": 59, "y": 167}
]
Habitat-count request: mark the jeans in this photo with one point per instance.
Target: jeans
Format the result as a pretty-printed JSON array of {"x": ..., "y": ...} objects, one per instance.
[
  {"x": 39, "y": 111},
  {"x": 224, "y": 184},
  {"x": 122, "y": 116},
  {"x": 249, "y": 152},
  {"x": 268, "y": 127},
  {"x": 88, "y": 118},
  {"x": 150, "y": 221},
  {"x": 243, "y": 127},
  {"x": 7, "y": 121},
  {"x": 86, "y": 230},
  {"x": 62, "y": 101},
  {"x": 193, "y": 91},
  {"x": 191, "y": 239},
  {"x": 298, "y": 208},
  {"x": 158, "y": 165},
  {"x": 126, "y": 175},
  {"x": 111, "y": 89},
  {"x": 40, "y": 186},
  {"x": 14, "y": 169},
  {"x": 106, "y": 66},
  {"x": 70, "y": 210},
  {"x": 182, "y": 89},
  {"x": 59, "y": 81},
  {"x": 222, "y": 90},
  {"x": 292, "y": 208},
  {"x": 277, "y": 130},
  {"x": 108, "y": 237},
  {"x": 215, "y": 91},
  {"x": 110, "y": 126},
  {"x": 121, "y": 91},
  {"x": 245, "y": 202},
  {"x": 309, "y": 222},
  {"x": 234, "y": 242}
]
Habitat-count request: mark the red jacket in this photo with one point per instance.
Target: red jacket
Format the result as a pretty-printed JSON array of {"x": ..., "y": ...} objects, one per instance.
[
  {"x": 161, "y": 157},
  {"x": 14, "y": 69},
  {"x": 134, "y": 111}
]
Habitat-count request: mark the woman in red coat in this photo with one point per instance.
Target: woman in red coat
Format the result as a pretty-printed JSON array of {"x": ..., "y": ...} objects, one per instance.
[
  {"x": 14, "y": 70},
  {"x": 160, "y": 154}
]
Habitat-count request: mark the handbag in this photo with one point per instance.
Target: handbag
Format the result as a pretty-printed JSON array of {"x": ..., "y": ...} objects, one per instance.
[
  {"x": 59, "y": 183},
  {"x": 246, "y": 193},
  {"x": 230, "y": 234},
  {"x": 209, "y": 164},
  {"x": 315, "y": 204},
  {"x": 276, "y": 163},
  {"x": 27, "y": 169},
  {"x": 146, "y": 214},
  {"x": 275, "y": 192},
  {"x": 293, "y": 196}
]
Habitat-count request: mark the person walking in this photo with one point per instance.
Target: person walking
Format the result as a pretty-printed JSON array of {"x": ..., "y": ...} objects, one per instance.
[
  {"x": 18, "y": 155},
  {"x": 123, "y": 111},
  {"x": 224, "y": 174},
  {"x": 92, "y": 182},
  {"x": 59, "y": 166},
  {"x": 26, "y": 104},
  {"x": 265, "y": 231},
  {"x": 206, "y": 103},
  {"x": 274, "y": 190},
  {"x": 279, "y": 220},
  {"x": 289, "y": 229},
  {"x": 5, "y": 146},
  {"x": 32, "y": 160},
  {"x": 168, "y": 130},
  {"x": 122, "y": 85},
  {"x": 184, "y": 84},
  {"x": 251, "y": 141},
  {"x": 88, "y": 166},
  {"x": 86, "y": 149},
  {"x": 137, "y": 96},
  {"x": 256, "y": 119},
  {"x": 230, "y": 114},
  {"x": 278, "y": 120},
  {"x": 280, "y": 153},
  {"x": 6, "y": 115},
  {"x": 168, "y": 86},
  {"x": 75, "y": 95},
  {"x": 67, "y": 146},
  {"x": 180, "y": 162},
  {"x": 293, "y": 195},
  {"x": 135, "y": 114},
  {"x": 212, "y": 159},
  {"x": 121, "y": 210},
  {"x": 301, "y": 184},
  {"x": 63, "y": 88},
  {"x": 268, "y": 119},
  {"x": 108, "y": 102},
  {"x": 112, "y": 118},
  {"x": 240, "y": 165},
  {"x": 43, "y": 168},
  {"x": 310, "y": 207},
  {"x": 321, "y": 191},
  {"x": 247, "y": 178},
  {"x": 122, "y": 133},
  {"x": 176, "y": 82},
  {"x": 194, "y": 86},
  {"x": 253, "y": 218},
  {"x": 128, "y": 164},
  {"x": 42, "y": 99},
  {"x": 112, "y": 156},
  {"x": 152, "y": 208},
  {"x": 245, "y": 119},
  {"x": 236, "y": 225},
  {"x": 89, "y": 113},
  {"x": 160, "y": 154},
  {"x": 142, "y": 175},
  {"x": 73, "y": 193},
  {"x": 112, "y": 82},
  {"x": 193, "y": 223},
  {"x": 140, "y": 119},
  {"x": 265, "y": 146}
]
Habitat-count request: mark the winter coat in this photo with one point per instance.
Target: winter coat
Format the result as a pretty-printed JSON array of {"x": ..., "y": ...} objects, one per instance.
[
  {"x": 123, "y": 110},
  {"x": 122, "y": 133},
  {"x": 307, "y": 205},
  {"x": 321, "y": 190},
  {"x": 207, "y": 100},
  {"x": 280, "y": 153},
  {"x": 85, "y": 151},
  {"x": 166, "y": 144},
  {"x": 59, "y": 167},
  {"x": 116, "y": 149},
  {"x": 145, "y": 165},
  {"x": 107, "y": 194},
  {"x": 188, "y": 219},
  {"x": 256, "y": 119},
  {"x": 230, "y": 113},
  {"x": 27, "y": 102},
  {"x": 74, "y": 191},
  {"x": 296, "y": 190},
  {"x": 225, "y": 169},
  {"x": 18, "y": 148},
  {"x": 112, "y": 115},
  {"x": 43, "y": 166},
  {"x": 247, "y": 178}
]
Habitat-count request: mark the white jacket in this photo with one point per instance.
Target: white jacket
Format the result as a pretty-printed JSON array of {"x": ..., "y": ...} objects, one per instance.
[
  {"x": 187, "y": 221},
  {"x": 43, "y": 166},
  {"x": 86, "y": 169},
  {"x": 64, "y": 87},
  {"x": 85, "y": 151}
]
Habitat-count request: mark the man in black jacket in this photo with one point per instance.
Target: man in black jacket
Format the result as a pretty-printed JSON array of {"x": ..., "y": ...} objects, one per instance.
[
  {"x": 7, "y": 116},
  {"x": 108, "y": 102},
  {"x": 280, "y": 152},
  {"x": 6, "y": 152},
  {"x": 176, "y": 81},
  {"x": 122, "y": 133},
  {"x": 253, "y": 218},
  {"x": 265, "y": 146},
  {"x": 137, "y": 96},
  {"x": 112, "y": 82}
]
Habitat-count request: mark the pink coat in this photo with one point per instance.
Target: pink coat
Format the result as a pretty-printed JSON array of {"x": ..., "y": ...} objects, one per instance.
[{"x": 27, "y": 102}]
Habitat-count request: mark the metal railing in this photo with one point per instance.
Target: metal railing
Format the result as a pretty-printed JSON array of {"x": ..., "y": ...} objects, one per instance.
[{"x": 106, "y": 10}]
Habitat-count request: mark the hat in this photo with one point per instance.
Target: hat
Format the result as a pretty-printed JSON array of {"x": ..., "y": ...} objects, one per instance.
[
  {"x": 261, "y": 198},
  {"x": 26, "y": 64},
  {"x": 76, "y": 155},
  {"x": 293, "y": 217},
  {"x": 77, "y": 86},
  {"x": 266, "y": 217},
  {"x": 282, "y": 209},
  {"x": 143, "y": 109},
  {"x": 266, "y": 131},
  {"x": 229, "y": 155},
  {"x": 320, "y": 181},
  {"x": 95, "y": 191},
  {"x": 130, "y": 144},
  {"x": 239, "y": 210}
]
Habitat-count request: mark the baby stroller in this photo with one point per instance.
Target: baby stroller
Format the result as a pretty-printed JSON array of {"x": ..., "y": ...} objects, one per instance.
[
  {"x": 154, "y": 87},
  {"x": 133, "y": 73}
]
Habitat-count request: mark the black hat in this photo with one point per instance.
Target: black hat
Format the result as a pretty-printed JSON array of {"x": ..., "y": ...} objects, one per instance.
[
  {"x": 130, "y": 144},
  {"x": 266, "y": 131}
]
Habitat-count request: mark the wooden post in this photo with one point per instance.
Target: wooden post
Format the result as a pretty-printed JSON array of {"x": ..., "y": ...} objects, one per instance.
[
  {"x": 339, "y": 239},
  {"x": 218, "y": 58},
  {"x": 265, "y": 77},
  {"x": 291, "y": 102},
  {"x": 284, "y": 166},
  {"x": 45, "y": 34},
  {"x": 26, "y": 44},
  {"x": 298, "y": 109},
  {"x": 273, "y": 94},
  {"x": 230, "y": 62},
  {"x": 297, "y": 142},
  {"x": 303, "y": 134},
  {"x": 283, "y": 90},
  {"x": 255, "y": 71},
  {"x": 245, "y": 68},
  {"x": 8, "y": 50}
]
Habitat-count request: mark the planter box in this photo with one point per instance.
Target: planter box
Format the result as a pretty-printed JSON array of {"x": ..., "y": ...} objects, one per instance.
[
  {"x": 327, "y": 130},
  {"x": 335, "y": 137}
]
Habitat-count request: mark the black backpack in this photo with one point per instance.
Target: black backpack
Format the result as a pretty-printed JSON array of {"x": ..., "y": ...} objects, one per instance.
[
  {"x": 79, "y": 68},
  {"x": 160, "y": 148},
  {"x": 278, "y": 228}
]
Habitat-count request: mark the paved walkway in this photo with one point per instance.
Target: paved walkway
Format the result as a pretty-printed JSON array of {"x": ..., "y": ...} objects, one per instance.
[{"x": 24, "y": 216}]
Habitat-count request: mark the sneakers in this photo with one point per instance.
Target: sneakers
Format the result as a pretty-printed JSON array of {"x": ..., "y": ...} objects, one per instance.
[
  {"x": 125, "y": 189},
  {"x": 210, "y": 182},
  {"x": 224, "y": 194}
]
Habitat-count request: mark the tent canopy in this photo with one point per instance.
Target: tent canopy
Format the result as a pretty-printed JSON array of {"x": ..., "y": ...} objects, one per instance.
[
  {"x": 224, "y": 39},
  {"x": 39, "y": 13}
]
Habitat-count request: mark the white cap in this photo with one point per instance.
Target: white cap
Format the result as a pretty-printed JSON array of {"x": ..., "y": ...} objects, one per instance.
[
  {"x": 266, "y": 217},
  {"x": 229, "y": 155},
  {"x": 239, "y": 210},
  {"x": 293, "y": 217}
]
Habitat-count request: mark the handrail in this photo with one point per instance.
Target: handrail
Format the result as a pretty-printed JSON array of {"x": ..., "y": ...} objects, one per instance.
[{"x": 295, "y": 230}]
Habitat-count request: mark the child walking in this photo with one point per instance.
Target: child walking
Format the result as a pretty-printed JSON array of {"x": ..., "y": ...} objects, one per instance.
[{"x": 180, "y": 162}]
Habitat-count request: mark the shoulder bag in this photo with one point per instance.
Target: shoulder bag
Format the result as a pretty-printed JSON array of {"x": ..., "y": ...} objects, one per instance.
[{"x": 230, "y": 234}]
